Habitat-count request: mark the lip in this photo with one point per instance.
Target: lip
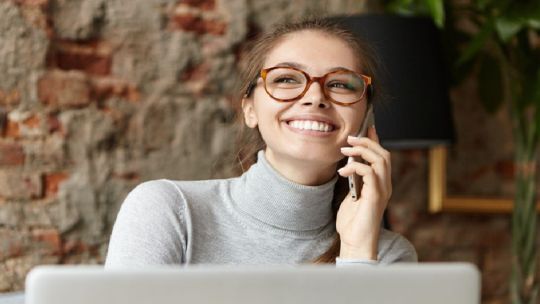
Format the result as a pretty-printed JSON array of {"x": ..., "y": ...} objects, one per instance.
[{"x": 313, "y": 118}]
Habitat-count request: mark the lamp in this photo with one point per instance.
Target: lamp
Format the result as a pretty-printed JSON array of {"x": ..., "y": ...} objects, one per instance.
[{"x": 415, "y": 112}]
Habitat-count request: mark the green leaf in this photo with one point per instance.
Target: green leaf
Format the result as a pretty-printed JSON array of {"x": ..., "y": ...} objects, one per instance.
[
  {"x": 400, "y": 7},
  {"x": 525, "y": 13},
  {"x": 477, "y": 43},
  {"x": 483, "y": 4},
  {"x": 508, "y": 27},
  {"x": 534, "y": 24},
  {"x": 490, "y": 84},
  {"x": 436, "y": 9}
]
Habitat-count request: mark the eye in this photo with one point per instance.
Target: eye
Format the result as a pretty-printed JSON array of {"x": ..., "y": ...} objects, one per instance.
[
  {"x": 342, "y": 85},
  {"x": 285, "y": 79}
]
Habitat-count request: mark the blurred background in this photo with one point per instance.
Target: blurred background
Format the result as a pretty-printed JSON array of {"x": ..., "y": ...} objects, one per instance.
[{"x": 98, "y": 96}]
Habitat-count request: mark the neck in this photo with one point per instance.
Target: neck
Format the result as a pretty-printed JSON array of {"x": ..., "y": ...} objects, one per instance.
[
  {"x": 301, "y": 171},
  {"x": 274, "y": 201}
]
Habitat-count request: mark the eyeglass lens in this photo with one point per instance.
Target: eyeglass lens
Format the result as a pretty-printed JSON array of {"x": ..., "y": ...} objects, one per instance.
[{"x": 341, "y": 86}]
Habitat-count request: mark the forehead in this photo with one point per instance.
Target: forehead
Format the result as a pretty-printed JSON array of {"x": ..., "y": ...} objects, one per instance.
[{"x": 316, "y": 50}]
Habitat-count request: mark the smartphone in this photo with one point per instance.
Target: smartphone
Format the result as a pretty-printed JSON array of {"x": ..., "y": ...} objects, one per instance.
[{"x": 355, "y": 180}]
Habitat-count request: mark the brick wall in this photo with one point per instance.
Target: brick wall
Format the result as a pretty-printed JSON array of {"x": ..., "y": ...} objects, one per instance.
[{"x": 97, "y": 96}]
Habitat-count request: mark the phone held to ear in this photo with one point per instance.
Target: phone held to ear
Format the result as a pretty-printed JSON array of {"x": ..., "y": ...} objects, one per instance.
[{"x": 355, "y": 181}]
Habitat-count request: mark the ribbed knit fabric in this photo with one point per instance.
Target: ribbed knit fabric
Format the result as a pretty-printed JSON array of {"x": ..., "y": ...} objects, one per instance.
[{"x": 260, "y": 217}]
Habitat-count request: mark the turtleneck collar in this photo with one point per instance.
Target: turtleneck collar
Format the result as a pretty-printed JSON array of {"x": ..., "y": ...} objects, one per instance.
[{"x": 271, "y": 199}]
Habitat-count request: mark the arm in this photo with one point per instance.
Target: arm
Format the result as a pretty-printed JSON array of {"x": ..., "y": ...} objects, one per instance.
[{"x": 149, "y": 229}]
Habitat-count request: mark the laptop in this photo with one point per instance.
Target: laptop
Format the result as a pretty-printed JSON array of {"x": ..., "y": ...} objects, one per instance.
[{"x": 314, "y": 284}]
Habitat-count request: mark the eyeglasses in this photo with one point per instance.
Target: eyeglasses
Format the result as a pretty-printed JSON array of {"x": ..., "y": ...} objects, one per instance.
[{"x": 343, "y": 87}]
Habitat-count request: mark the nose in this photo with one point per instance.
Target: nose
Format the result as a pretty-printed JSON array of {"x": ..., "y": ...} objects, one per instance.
[{"x": 315, "y": 96}]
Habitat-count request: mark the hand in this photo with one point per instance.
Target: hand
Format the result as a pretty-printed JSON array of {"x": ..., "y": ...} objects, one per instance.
[{"x": 358, "y": 222}]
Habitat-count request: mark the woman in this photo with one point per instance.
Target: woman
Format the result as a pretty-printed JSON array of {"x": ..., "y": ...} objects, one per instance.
[{"x": 305, "y": 91}]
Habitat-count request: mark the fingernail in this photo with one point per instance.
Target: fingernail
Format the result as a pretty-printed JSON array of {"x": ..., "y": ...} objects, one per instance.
[
  {"x": 346, "y": 148},
  {"x": 340, "y": 171},
  {"x": 350, "y": 136}
]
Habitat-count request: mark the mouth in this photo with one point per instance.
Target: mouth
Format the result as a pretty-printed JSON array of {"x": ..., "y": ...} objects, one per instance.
[{"x": 311, "y": 126}]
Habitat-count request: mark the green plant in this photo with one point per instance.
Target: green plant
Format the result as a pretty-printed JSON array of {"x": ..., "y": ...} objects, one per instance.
[
  {"x": 431, "y": 8},
  {"x": 503, "y": 43}
]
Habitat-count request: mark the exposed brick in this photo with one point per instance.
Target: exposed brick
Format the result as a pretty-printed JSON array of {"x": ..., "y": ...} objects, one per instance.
[
  {"x": 32, "y": 2},
  {"x": 32, "y": 121},
  {"x": 193, "y": 23},
  {"x": 64, "y": 89},
  {"x": 3, "y": 120},
  {"x": 195, "y": 73},
  {"x": 11, "y": 244},
  {"x": 48, "y": 240},
  {"x": 19, "y": 128},
  {"x": 9, "y": 98},
  {"x": 52, "y": 182},
  {"x": 74, "y": 247},
  {"x": 54, "y": 124},
  {"x": 129, "y": 176},
  {"x": 201, "y": 4},
  {"x": 11, "y": 154},
  {"x": 18, "y": 185},
  {"x": 92, "y": 57},
  {"x": 106, "y": 87},
  {"x": 11, "y": 129}
]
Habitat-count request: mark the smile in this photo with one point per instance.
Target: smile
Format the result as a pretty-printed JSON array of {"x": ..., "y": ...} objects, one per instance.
[{"x": 311, "y": 125}]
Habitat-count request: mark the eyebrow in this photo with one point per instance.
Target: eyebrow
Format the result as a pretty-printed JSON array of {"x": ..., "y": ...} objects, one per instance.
[{"x": 303, "y": 67}]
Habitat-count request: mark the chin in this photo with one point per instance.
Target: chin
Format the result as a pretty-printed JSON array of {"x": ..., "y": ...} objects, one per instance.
[{"x": 319, "y": 157}]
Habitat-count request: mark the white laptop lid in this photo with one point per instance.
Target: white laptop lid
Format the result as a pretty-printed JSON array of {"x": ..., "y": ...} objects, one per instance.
[{"x": 397, "y": 283}]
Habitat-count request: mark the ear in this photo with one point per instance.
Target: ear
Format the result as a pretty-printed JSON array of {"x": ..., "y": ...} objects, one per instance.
[{"x": 250, "y": 116}]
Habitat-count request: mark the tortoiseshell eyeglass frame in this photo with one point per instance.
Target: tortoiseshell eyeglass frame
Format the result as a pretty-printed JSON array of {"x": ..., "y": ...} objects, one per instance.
[{"x": 321, "y": 80}]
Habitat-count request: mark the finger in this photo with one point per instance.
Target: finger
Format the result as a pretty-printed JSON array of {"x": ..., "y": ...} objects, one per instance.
[
  {"x": 369, "y": 177},
  {"x": 382, "y": 162},
  {"x": 378, "y": 163},
  {"x": 367, "y": 142},
  {"x": 366, "y": 154},
  {"x": 366, "y": 171},
  {"x": 381, "y": 166}
]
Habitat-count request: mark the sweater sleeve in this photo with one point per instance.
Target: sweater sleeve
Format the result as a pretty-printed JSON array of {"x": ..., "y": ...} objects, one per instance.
[
  {"x": 150, "y": 227},
  {"x": 355, "y": 262},
  {"x": 393, "y": 248}
]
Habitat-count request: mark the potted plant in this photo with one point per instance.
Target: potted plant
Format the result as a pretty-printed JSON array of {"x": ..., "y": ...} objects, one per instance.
[{"x": 504, "y": 46}]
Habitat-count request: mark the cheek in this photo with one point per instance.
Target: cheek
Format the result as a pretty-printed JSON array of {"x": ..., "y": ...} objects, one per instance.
[
  {"x": 357, "y": 117},
  {"x": 268, "y": 113},
  {"x": 353, "y": 120}
]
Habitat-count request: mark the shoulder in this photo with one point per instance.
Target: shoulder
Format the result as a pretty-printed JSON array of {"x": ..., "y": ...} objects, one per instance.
[
  {"x": 150, "y": 227},
  {"x": 153, "y": 193},
  {"x": 393, "y": 247},
  {"x": 174, "y": 195}
]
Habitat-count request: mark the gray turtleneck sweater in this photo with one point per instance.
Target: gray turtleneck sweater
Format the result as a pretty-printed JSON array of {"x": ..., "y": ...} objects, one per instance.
[{"x": 259, "y": 217}]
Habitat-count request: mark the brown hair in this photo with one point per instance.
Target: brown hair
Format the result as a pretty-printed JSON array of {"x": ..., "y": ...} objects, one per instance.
[{"x": 249, "y": 141}]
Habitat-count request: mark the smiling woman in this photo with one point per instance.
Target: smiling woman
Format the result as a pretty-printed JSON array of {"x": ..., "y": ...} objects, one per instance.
[{"x": 304, "y": 92}]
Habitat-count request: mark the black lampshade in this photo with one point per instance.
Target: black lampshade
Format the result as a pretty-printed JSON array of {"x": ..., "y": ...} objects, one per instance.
[{"x": 415, "y": 111}]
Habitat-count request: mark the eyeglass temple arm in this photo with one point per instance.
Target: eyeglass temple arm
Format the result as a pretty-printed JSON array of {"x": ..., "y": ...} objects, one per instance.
[{"x": 250, "y": 87}]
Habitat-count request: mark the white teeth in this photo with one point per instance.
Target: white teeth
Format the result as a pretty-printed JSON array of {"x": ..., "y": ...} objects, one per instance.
[{"x": 311, "y": 125}]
